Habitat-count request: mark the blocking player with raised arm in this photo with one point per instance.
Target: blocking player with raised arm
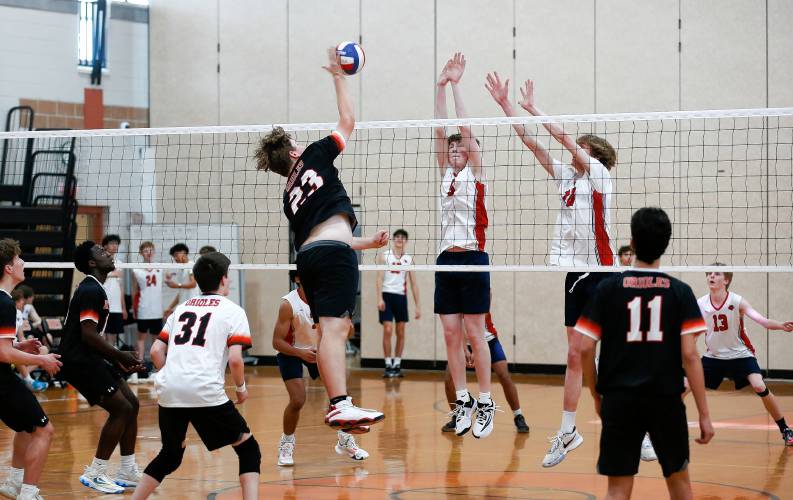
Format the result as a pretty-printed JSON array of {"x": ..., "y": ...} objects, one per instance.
[
  {"x": 147, "y": 285},
  {"x": 730, "y": 353},
  {"x": 581, "y": 235},
  {"x": 646, "y": 322},
  {"x": 322, "y": 219},
  {"x": 201, "y": 337},
  {"x": 392, "y": 289},
  {"x": 295, "y": 339},
  {"x": 20, "y": 410},
  {"x": 463, "y": 298},
  {"x": 86, "y": 354}
]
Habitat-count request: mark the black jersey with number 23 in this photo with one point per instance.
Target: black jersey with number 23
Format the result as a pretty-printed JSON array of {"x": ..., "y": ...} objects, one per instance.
[{"x": 314, "y": 192}]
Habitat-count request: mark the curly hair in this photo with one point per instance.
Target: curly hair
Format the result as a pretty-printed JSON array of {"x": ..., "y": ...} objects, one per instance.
[
  {"x": 273, "y": 152},
  {"x": 601, "y": 149}
]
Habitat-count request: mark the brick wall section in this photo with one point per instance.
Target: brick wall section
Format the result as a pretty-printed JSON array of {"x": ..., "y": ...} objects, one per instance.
[{"x": 58, "y": 114}]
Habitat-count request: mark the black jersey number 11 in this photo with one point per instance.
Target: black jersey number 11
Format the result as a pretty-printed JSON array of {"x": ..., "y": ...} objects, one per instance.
[{"x": 189, "y": 319}]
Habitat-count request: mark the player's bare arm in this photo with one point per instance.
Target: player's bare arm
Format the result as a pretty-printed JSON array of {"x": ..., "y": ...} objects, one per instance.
[
  {"x": 89, "y": 334},
  {"x": 455, "y": 69},
  {"x": 158, "y": 353},
  {"x": 378, "y": 282},
  {"x": 414, "y": 289},
  {"x": 281, "y": 330},
  {"x": 237, "y": 367},
  {"x": 377, "y": 240},
  {"x": 696, "y": 382},
  {"x": 346, "y": 122},
  {"x": 761, "y": 320},
  {"x": 441, "y": 149}
]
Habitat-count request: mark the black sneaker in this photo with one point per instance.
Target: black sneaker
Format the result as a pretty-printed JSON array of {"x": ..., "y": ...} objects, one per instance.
[
  {"x": 397, "y": 371},
  {"x": 787, "y": 437},
  {"x": 520, "y": 424},
  {"x": 388, "y": 373},
  {"x": 448, "y": 426}
]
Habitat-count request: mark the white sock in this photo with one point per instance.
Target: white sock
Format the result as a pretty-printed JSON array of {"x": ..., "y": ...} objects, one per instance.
[
  {"x": 127, "y": 461},
  {"x": 462, "y": 395},
  {"x": 397, "y": 361},
  {"x": 287, "y": 438},
  {"x": 484, "y": 397},
  {"x": 28, "y": 491},
  {"x": 16, "y": 475},
  {"x": 517, "y": 412},
  {"x": 389, "y": 362},
  {"x": 99, "y": 465},
  {"x": 29, "y": 378},
  {"x": 568, "y": 421}
]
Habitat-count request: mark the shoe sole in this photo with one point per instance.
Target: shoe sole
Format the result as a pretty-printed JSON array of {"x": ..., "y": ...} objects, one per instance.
[
  {"x": 351, "y": 424},
  {"x": 483, "y": 435},
  {"x": 579, "y": 439},
  {"x": 285, "y": 465},
  {"x": 342, "y": 451},
  {"x": 356, "y": 430},
  {"x": 447, "y": 429},
  {"x": 649, "y": 459},
  {"x": 463, "y": 431},
  {"x": 522, "y": 431},
  {"x": 88, "y": 484},
  {"x": 125, "y": 484}
]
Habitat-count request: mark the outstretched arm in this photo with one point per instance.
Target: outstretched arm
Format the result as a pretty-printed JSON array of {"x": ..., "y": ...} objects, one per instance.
[
  {"x": 580, "y": 156},
  {"x": 343, "y": 100},
  {"x": 454, "y": 70},
  {"x": 770, "y": 324},
  {"x": 441, "y": 148},
  {"x": 696, "y": 381},
  {"x": 500, "y": 92},
  {"x": 378, "y": 240}
]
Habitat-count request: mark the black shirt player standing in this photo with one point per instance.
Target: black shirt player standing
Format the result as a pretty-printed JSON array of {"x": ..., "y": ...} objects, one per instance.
[
  {"x": 646, "y": 322},
  {"x": 322, "y": 218}
]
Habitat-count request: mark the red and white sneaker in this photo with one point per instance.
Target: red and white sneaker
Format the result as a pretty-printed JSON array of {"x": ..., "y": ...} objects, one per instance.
[
  {"x": 361, "y": 429},
  {"x": 345, "y": 415}
]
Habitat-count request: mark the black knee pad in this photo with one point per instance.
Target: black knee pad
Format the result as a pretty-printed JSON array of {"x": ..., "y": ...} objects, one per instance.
[
  {"x": 250, "y": 456},
  {"x": 763, "y": 394},
  {"x": 167, "y": 461}
]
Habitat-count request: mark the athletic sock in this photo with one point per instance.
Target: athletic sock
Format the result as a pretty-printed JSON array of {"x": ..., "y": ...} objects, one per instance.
[
  {"x": 338, "y": 399},
  {"x": 568, "y": 421},
  {"x": 517, "y": 412},
  {"x": 462, "y": 395},
  {"x": 16, "y": 475},
  {"x": 127, "y": 461},
  {"x": 484, "y": 397},
  {"x": 99, "y": 465},
  {"x": 389, "y": 362},
  {"x": 782, "y": 424},
  {"x": 287, "y": 438},
  {"x": 397, "y": 362}
]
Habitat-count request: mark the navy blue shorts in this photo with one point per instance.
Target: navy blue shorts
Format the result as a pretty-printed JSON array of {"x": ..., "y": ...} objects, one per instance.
[
  {"x": 292, "y": 367},
  {"x": 716, "y": 370},
  {"x": 496, "y": 351},
  {"x": 462, "y": 292},
  {"x": 578, "y": 288},
  {"x": 396, "y": 308},
  {"x": 115, "y": 324},
  {"x": 150, "y": 326}
]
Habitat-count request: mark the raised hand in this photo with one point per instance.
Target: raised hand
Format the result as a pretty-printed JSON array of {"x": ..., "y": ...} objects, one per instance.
[
  {"x": 527, "y": 96},
  {"x": 498, "y": 90},
  {"x": 443, "y": 79},
  {"x": 333, "y": 67},
  {"x": 455, "y": 67}
]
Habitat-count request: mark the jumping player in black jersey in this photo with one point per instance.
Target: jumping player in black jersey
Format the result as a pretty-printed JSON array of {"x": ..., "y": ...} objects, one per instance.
[
  {"x": 321, "y": 216},
  {"x": 86, "y": 354},
  {"x": 647, "y": 323},
  {"x": 19, "y": 409}
]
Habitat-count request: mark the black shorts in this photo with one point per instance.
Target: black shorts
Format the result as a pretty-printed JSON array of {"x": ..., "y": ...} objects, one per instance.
[
  {"x": 738, "y": 370},
  {"x": 20, "y": 410},
  {"x": 328, "y": 273},
  {"x": 115, "y": 324},
  {"x": 95, "y": 380},
  {"x": 217, "y": 426},
  {"x": 627, "y": 417},
  {"x": 462, "y": 292},
  {"x": 396, "y": 308},
  {"x": 150, "y": 326},
  {"x": 578, "y": 288},
  {"x": 292, "y": 367}
]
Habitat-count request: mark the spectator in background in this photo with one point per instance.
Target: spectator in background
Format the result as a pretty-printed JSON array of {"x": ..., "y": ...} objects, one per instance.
[
  {"x": 22, "y": 329},
  {"x": 147, "y": 283},
  {"x": 206, "y": 249},
  {"x": 181, "y": 279},
  {"x": 114, "y": 287},
  {"x": 625, "y": 254}
]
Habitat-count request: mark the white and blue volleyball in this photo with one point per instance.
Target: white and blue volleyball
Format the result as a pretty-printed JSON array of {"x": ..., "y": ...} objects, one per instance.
[{"x": 351, "y": 57}]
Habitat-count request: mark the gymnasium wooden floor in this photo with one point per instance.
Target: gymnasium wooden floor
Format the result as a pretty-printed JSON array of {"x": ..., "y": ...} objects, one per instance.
[{"x": 411, "y": 459}]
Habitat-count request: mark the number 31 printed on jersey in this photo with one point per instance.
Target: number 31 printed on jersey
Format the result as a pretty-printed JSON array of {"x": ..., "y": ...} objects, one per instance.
[{"x": 298, "y": 195}]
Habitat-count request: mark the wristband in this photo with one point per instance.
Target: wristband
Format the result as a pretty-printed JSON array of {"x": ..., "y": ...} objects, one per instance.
[{"x": 242, "y": 388}]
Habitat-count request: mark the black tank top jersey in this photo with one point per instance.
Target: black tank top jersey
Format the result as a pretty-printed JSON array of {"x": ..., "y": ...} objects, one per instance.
[
  {"x": 8, "y": 329},
  {"x": 640, "y": 317},
  {"x": 314, "y": 192},
  {"x": 89, "y": 303}
]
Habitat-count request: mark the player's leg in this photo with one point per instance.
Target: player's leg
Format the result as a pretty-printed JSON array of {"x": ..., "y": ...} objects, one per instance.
[
  {"x": 771, "y": 406},
  {"x": 619, "y": 488},
  {"x": 296, "y": 387},
  {"x": 173, "y": 424},
  {"x": 346, "y": 445},
  {"x": 400, "y": 347},
  {"x": 475, "y": 332},
  {"x": 13, "y": 483},
  {"x": 247, "y": 450},
  {"x": 120, "y": 413},
  {"x": 388, "y": 329},
  {"x": 450, "y": 398},
  {"x": 35, "y": 458},
  {"x": 501, "y": 369},
  {"x": 679, "y": 486},
  {"x": 465, "y": 404},
  {"x": 128, "y": 474}
]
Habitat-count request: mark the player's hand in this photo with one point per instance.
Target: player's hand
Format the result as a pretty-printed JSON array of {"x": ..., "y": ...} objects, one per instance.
[
  {"x": 527, "y": 96},
  {"x": 498, "y": 90},
  {"x": 50, "y": 363},
  {"x": 787, "y": 326},
  {"x": 598, "y": 402},
  {"x": 171, "y": 283},
  {"x": 381, "y": 305},
  {"x": 124, "y": 314},
  {"x": 30, "y": 346},
  {"x": 242, "y": 396},
  {"x": 469, "y": 359},
  {"x": 455, "y": 68},
  {"x": 443, "y": 79},
  {"x": 379, "y": 239},
  {"x": 308, "y": 355},
  {"x": 706, "y": 431},
  {"x": 128, "y": 361},
  {"x": 418, "y": 312},
  {"x": 333, "y": 67}
]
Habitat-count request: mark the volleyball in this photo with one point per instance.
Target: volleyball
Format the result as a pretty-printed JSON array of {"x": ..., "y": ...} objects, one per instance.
[{"x": 351, "y": 57}]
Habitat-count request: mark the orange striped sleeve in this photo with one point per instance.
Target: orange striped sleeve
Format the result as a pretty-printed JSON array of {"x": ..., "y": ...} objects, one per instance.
[
  {"x": 8, "y": 332},
  {"x": 89, "y": 315},
  {"x": 239, "y": 339},
  {"x": 341, "y": 143},
  {"x": 586, "y": 326},
  {"x": 163, "y": 336},
  {"x": 693, "y": 326}
]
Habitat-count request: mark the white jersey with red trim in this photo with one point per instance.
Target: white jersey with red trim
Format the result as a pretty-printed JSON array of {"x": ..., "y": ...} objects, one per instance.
[
  {"x": 198, "y": 334},
  {"x": 302, "y": 333},
  {"x": 396, "y": 281},
  {"x": 113, "y": 286},
  {"x": 490, "y": 329},
  {"x": 463, "y": 212},
  {"x": 150, "y": 287},
  {"x": 726, "y": 337},
  {"x": 581, "y": 236}
]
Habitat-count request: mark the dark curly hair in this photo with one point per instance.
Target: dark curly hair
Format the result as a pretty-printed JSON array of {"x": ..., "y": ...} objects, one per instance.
[{"x": 273, "y": 152}]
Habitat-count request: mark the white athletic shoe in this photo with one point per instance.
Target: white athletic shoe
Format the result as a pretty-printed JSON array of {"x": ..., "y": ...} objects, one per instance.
[
  {"x": 99, "y": 481},
  {"x": 128, "y": 477},
  {"x": 347, "y": 445},
  {"x": 483, "y": 425},
  {"x": 462, "y": 414},
  {"x": 133, "y": 379},
  {"x": 286, "y": 452},
  {"x": 648, "y": 452},
  {"x": 30, "y": 496},
  {"x": 345, "y": 415},
  {"x": 561, "y": 445},
  {"x": 10, "y": 489}
]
